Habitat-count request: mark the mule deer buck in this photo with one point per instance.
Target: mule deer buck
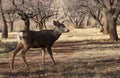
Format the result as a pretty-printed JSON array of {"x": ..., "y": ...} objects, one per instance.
[{"x": 38, "y": 39}]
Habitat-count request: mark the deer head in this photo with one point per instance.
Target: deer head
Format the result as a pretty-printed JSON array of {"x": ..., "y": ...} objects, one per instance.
[{"x": 60, "y": 26}]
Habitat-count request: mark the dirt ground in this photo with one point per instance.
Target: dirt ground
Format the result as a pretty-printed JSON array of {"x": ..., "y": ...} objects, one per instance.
[{"x": 81, "y": 53}]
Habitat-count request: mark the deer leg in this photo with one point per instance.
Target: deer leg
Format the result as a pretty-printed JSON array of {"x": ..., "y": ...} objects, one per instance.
[
  {"x": 23, "y": 52},
  {"x": 51, "y": 55},
  {"x": 43, "y": 55},
  {"x": 17, "y": 49}
]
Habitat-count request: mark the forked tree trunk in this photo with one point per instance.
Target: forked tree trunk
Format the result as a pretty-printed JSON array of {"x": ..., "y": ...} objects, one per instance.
[{"x": 110, "y": 24}]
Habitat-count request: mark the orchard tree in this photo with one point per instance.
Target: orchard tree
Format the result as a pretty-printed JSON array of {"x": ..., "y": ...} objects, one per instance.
[
  {"x": 44, "y": 11},
  {"x": 5, "y": 28},
  {"x": 37, "y": 10},
  {"x": 108, "y": 10},
  {"x": 111, "y": 11},
  {"x": 75, "y": 12},
  {"x": 11, "y": 17}
]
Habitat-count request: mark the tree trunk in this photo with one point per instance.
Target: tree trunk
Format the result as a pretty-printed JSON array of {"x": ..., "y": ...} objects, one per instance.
[
  {"x": 105, "y": 24},
  {"x": 113, "y": 29},
  {"x": 40, "y": 25},
  {"x": 81, "y": 21},
  {"x": 86, "y": 21},
  {"x": 110, "y": 24},
  {"x": 11, "y": 26},
  {"x": 5, "y": 28},
  {"x": 106, "y": 29}
]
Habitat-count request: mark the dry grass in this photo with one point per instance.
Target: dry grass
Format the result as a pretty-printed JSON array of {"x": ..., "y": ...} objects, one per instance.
[{"x": 81, "y": 53}]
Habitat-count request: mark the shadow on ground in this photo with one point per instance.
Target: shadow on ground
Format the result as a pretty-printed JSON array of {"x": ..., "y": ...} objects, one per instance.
[{"x": 105, "y": 67}]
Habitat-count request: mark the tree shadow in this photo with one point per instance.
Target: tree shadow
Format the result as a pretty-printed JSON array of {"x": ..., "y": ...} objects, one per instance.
[
  {"x": 24, "y": 74},
  {"x": 72, "y": 68},
  {"x": 71, "y": 46},
  {"x": 6, "y": 47},
  {"x": 68, "y": 46},
  {"x": 68, "y": 69}
]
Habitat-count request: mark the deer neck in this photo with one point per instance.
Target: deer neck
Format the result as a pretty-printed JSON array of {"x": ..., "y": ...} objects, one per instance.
[{"x": 57, "y": 32}]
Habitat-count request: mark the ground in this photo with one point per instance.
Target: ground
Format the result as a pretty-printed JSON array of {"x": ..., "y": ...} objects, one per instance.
[{"x": 81, "y": 53}]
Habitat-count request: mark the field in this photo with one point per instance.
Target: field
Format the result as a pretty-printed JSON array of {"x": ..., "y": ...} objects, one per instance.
[{"x": 81, "y": 53}]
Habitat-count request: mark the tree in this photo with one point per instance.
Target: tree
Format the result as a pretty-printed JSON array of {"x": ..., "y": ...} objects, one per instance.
[
  {"x": 77, "y": 13},
  {"x": 37, "y": 10},
  {"x": 43, "y": 13},
  {"x": 111, "y": 11},
  {"x": 10, "y": 17},
  {"x": 5, "y": 28}
]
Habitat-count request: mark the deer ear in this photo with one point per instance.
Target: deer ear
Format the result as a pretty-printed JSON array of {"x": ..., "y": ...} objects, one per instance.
[{"x": 56, "y": 23}]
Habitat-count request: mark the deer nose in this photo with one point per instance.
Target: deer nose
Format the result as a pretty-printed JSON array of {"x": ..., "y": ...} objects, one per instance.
[{"x": 68, "y": 30}]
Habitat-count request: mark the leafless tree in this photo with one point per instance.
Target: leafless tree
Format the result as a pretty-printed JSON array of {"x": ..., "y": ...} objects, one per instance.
[
  {"x": 5, "y": 28},
  {"x": 76, "y": 13},
  {"x": 10, "y": 16},
  {"x": 111, "y": 11},
  {"x": 94, "y": 11},
  {"x": 107, "y": 9},
  {"x": 105, "y": 12},
  {"x": 44, "y": 12},
  {"x": 37, "y": 10}
]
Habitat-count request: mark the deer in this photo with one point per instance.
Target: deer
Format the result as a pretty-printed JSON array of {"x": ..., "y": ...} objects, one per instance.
[{"x": 43, "y": 39}]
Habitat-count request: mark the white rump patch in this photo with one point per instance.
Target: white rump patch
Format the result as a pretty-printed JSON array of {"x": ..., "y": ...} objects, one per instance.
[{"x": 19, "y": 37}]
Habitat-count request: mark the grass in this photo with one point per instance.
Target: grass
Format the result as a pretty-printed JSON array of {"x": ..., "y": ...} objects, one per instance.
[
  {"x": 74, "y": 69},
  {"x": 82, "y": 53}
]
